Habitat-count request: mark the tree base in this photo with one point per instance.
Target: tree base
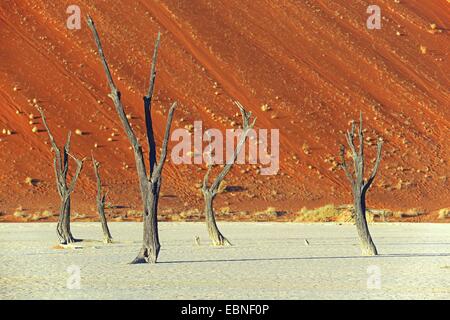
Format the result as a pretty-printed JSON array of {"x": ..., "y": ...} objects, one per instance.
[
  {"x": 145, "y": 256},
  {"x": 107, "y": 240},
  {"x": 139, "y": 260},
  {"x": 367, "y": 252},
  {"x": 220, "y": 241},
  {"x": 68, "y": 240}
]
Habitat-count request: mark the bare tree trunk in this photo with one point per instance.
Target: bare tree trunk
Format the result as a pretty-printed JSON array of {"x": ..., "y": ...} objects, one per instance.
[
  {"x": 360, "y": 186},
  {"x": 209, "y": 193},
  {"x": 65, "y": 189},
  {"x": 149, "y": 184},
  {"x": 101, "y": 199},
  {"x": 150, "y": 245},
  {"x": 63, "y": 226},
  {"x": 107, "y": 238},
  {"x": 367, "y": 246},
  {"x": 214, "y": 234}
]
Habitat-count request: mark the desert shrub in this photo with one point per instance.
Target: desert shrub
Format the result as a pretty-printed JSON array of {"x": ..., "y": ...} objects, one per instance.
[
  {"x": 79, "y": 216},
  {"x": 444, "y": 213},
  {"x": 134, "y": 213},
  {"x": 382, "y": 214},
  {"x": 409, "y": 214},
  {"x": 175, "y": 217},
  {"x": 20, "y": 214},
  {"x": 326, "y": 213},
  {"x": 225, "y": 211},
  {"x": 36, "y": 217},
  {"x": 192, "y": 214},
  {"x": 270, "y": 212}
]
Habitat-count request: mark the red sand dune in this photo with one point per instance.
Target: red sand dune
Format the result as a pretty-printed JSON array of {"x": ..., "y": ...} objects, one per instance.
[{"x": 314, "y": 62}]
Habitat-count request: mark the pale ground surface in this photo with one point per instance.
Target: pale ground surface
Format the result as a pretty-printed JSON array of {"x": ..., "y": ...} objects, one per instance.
[{"x": 267, "y": 261}]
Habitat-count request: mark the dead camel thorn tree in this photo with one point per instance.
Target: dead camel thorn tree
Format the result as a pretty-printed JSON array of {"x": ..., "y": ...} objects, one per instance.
[
  {"x": 101, "y": 199},
  {"x": 149, "y": 184},
  {"x": 210, "y": 192},
  {"x": 65, "y": 189},
  {"x": 359, "y": 185}
]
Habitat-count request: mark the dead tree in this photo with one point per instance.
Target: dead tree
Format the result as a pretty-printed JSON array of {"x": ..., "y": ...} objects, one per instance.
[
  {"x": 210, "y": 192},
  {"x": 101, "y": 198},
  {"x": 65, "y": 189},
  {"x": 359, "y": 185},
  {"x": 149, "y": 184}
]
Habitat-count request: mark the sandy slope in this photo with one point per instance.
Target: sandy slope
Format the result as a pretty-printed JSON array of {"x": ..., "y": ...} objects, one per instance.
[
  {"x": 267, "y": 261},
  {"x": 314, "y": 62}
]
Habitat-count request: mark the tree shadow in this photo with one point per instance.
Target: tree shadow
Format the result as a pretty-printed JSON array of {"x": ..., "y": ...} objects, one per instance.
[
  {"x": 34, "y": 182},
  {"x": 234, "y": 189},
  {"x": 118, "y": 206},
  {"x": 168, "y": 196},
  {"x": 400, "y": 255},
  {"x": 80, "y": 244},
  {"x": 418, "y": 243}
]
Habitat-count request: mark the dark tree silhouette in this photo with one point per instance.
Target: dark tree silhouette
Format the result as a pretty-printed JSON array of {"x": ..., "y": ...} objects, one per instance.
[
  {"x": 210, "y": 192},
  {"x": 101, "y": 199},
  {"x": 65, "y": 189},
  {"x": 149, "y": 184},
  {"x": 359, "y": 185}
]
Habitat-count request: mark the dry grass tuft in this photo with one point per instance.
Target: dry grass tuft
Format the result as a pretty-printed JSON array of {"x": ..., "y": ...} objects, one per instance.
[
  {"x": 269, "y": 214},
  {"x": 411, "y": 213},
  {"x": 188, "y": 215}
]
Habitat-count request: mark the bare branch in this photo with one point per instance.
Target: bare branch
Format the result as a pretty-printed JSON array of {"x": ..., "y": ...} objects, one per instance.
[
  {"x": 148, "y": 106},
  {"x": 246, "y": 128},
  {"x": 102, "y": 55},
  {"x": 96, "y": 166},
  {"x": 65, "y": 168},
  {"x": 58, "y": 164},
  {"x": 206, "y": 177},
  {"x": 350, "y": 136},
  {"x": 163, "y": 155},
  {"x": 361, "y": 144},
  {"x": 60, "y": 184},
  {"x": 246, "y": 115},
  {"x": 376, "y": 165},
  {"x": 344, "y": 165},
  {"x": 153, "y": 68},
  {"x": 115, "y": 96},
  {"x": 150, "y": 135},
  {"x": 77, "y": 173},
  {"x": 361, "y": 135}
]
